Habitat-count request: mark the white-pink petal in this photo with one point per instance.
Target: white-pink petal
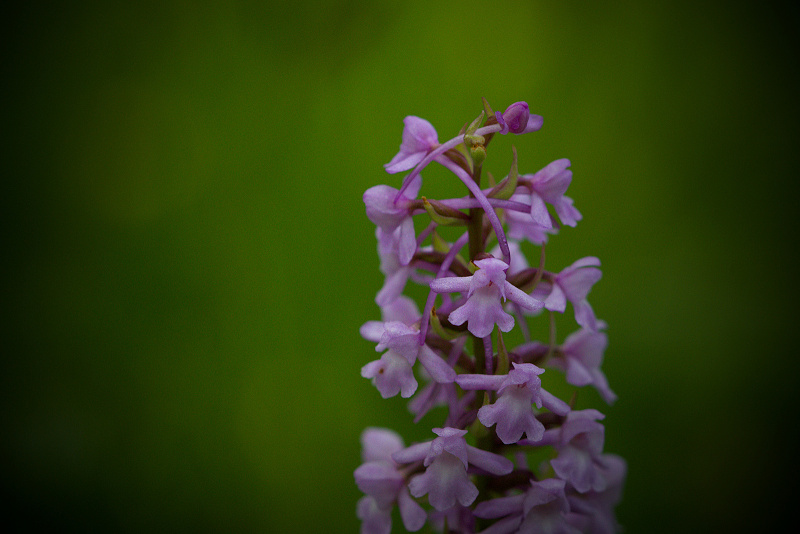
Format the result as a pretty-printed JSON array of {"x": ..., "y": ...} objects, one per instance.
[
  {"x": 553, "y": 403},
  {"x": 588, "y": 261},
  {"x": 500, "y": 507},
  {"x": 379, "y": 444},
  {"x": 436, "y": 366},
  {"x": 412, "y": 514},
  {"x": 372, "y": 330},
  {"x": 514, "y": 294},
  {"x": 539, "y": 212},
  {"x": 489, "y": 461},
  {"x": 414, "y": 453},
  {"x": 477, "y": 381},
  {"x": 407, "y": 242},
  {"x": 556, "y": 300},
  {"x": 451, "y": 284}
]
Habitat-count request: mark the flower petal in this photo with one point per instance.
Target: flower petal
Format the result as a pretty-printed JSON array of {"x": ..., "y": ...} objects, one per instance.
[
  {"x": 379, "y": 444},
  {"x": 514, "y": 294},
  {"x": 451, "y": 284},
  {"x": 407, "y": 244},
  {"x": 500, "y": 507},
  {"x": 489, "y": 461},
  {"x": 372, "y": 330},
  {"x": 412, "y": 514},
  {"x": 539, "y": 212},
  {"x": 436, "y": 366}
]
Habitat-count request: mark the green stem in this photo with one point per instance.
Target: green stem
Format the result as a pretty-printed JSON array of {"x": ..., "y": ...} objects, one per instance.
[{"x": 475, "y": 224}]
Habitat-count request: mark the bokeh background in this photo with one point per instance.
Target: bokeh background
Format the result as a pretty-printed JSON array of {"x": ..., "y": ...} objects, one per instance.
[{"x": 187, "y": 260}]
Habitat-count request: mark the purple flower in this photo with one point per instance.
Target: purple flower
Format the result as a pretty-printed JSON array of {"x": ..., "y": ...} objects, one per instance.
[
  {"x": 436, "y": 394},
  {"x": 393, "y": 218},
  {"x": 549, "y": 185},
  {"x": 522, "y": 226},
  {"x": 582, "y": 355},
  {"x": 403, "y": 340},
  {"x": 521, "y": 417},
  {"x": 378, "y": 444},
  {"x": 518, "y": 261},
  {"x": 580, "y": 445},
  {"x": 403, "y": 309},
  {"x": 445, "y": 481},
  {"x": 419, "y": 137},
  {"x": 396, "y": 274},
  {"x": 572, "y": 284},
  {"x": 380, "y": 480},
  {"x": 518, "y": 119},
  {"x": 393, "y": 373},
  {"x": 374, "y": 519},
  {"x": 513, "y": 411},
  {"x": 567, "y": 212},
  {"x": 542, "y": 509},
  {"x": 446, "y": 458},
  {"x": 384, "y": 485},
  {"x": 596, "y": 508},
  {"x": 485, "y": 289}
]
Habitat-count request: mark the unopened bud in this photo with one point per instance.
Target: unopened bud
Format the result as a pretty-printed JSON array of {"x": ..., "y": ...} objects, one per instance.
[
  {"x": 515, "y": 118},
  {"x": 478, "y": 153}
]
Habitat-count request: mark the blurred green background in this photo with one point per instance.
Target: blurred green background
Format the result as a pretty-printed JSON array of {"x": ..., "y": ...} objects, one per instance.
[{"x": 188, "y": 260}]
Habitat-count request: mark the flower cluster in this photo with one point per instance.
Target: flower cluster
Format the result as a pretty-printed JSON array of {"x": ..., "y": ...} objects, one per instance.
[{"x": 476, "y": 474}]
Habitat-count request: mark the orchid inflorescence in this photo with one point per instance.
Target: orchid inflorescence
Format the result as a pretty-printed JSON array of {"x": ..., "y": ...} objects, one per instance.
[{"x": 475, "y": 472}]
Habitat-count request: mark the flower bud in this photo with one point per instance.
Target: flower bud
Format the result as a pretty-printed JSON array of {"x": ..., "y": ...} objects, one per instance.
[
  {"x": 478, "y": 153},
  {"x": 515, "y": 118}
]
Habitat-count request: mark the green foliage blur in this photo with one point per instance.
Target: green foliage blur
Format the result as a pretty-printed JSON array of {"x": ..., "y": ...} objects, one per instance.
[{"x": 187, "y": 259}]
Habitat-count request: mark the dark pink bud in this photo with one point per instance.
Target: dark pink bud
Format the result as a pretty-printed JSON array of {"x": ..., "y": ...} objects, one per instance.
[{"x": 515, "y": 117}]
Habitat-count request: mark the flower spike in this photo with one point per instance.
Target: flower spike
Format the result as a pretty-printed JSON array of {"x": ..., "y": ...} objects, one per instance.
[{"x": 494, "y": 398}]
